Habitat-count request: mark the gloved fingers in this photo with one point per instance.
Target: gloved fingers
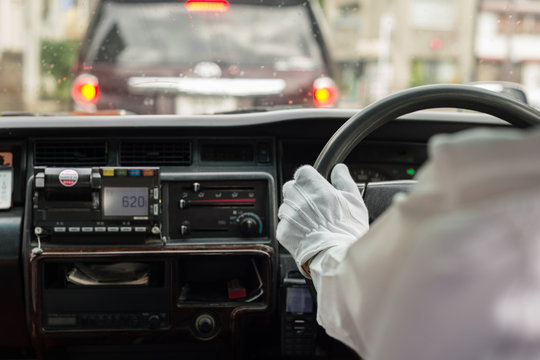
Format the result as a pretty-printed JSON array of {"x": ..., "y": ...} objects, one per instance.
[
  {"x": 354, "y": 229},
  {"x": 318, "y": 203},
  {"x": 321, "y": 202},
  {"x": 321, "y": 196},
  {"x": 342, "y": 180},
  {"x": 286, "y": 214},
  {"x": 356, "y": 205},
  {"x": 290, "y": 235},
  {"x": 286, "y": 189},
  {"x": 309, "y": 179},
  {"x": 290, "y": 212},
  {"x": 302, "y": 215},
  {"x": 296, "y": 197},
  {"x": 287, "y": 232}
]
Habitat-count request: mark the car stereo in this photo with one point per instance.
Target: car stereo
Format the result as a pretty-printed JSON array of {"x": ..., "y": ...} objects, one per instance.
[{"x": 113, "y": 202}]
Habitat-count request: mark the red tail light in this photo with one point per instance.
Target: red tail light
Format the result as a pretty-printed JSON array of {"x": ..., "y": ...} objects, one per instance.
[
  {"x": 85, "y": 90},
  {"x": 207, "y": 5},
  {"x": 325, "y": 92}
]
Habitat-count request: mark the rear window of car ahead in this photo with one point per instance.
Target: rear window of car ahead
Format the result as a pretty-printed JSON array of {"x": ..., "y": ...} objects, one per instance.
[{"x": 167, "y": 34}]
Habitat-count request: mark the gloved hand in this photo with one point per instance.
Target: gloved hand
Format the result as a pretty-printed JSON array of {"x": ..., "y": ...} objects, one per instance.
[{"x": 316, "y": 215}]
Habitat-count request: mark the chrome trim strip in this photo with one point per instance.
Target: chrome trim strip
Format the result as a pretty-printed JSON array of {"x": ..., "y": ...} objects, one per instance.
[
  {"x": 393, "y": 182},
  {"x": 205, "y": 86}
]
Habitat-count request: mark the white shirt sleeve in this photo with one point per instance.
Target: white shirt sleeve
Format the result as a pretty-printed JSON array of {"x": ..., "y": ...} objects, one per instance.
[{"x": 452, "y": 271}]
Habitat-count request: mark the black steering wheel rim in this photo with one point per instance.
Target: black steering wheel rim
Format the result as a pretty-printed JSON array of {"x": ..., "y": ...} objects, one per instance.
[
  {"x": 466, "y": 97},
  {"x": 369, "y": 119}
]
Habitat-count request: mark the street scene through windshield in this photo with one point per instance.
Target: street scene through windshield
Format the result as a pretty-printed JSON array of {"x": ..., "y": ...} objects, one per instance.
[{"x": 199, "y": 57}]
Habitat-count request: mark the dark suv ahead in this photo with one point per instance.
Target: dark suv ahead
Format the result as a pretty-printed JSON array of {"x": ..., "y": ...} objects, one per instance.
[{"x": 191, "y": 57}]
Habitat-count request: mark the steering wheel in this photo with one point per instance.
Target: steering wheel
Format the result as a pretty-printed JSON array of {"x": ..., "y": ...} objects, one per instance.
[{"x": 363, "y": 123}]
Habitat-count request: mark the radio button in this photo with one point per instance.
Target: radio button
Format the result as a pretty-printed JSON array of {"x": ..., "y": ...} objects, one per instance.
[
  {"x": 126, "y": 229},
  {"x": 40, "y": 180},
  {"x": 140, "y": 229},
  {"x": 100, "y": 229},
  {"x": 108, "y": 172},
  {"x": 184, "y": 229},
  {"x": 74, "y": 229},
  {"x": 59, "y": 229},
  {"x": 182, "y": 204},
  {"x": 113, "y": 229},
  {"x": 87, "y": 229}
]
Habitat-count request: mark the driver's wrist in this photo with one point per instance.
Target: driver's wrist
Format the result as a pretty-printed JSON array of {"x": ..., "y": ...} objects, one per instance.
[{"x": 305, "y": 266}]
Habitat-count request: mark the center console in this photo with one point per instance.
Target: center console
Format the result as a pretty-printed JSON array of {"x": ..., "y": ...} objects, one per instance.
[{"x": 123, "y": 254}]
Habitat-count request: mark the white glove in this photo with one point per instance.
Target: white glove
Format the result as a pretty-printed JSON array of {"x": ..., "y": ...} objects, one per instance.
[{"x": 316, "y": 215}]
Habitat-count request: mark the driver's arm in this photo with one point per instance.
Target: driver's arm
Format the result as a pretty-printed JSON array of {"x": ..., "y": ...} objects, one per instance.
[
  {"x": 427, "y": 276},
  {"x": 324, "y": 224}
]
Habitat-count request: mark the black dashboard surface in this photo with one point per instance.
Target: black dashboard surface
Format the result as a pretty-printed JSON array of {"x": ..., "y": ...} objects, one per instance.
[
  {"x": 296, "y": 137},
  {"x": 216, "y": 201}
]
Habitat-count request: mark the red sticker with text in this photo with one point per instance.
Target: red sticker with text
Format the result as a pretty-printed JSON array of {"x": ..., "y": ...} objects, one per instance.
[{"x": 68, "y": 178}]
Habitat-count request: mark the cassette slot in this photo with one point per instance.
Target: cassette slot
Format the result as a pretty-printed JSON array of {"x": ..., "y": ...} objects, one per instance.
[
  {"x": 209, "y": 230},
  {"x": 220, "y": 187},
  {"x": 223, "y": 202}
]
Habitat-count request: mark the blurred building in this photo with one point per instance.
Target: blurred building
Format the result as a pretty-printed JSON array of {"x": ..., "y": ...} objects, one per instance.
[
  {"x": 384, "y": 46},
  {"x": 508, "y": 43},
  {"x": 11, "y": 50},
  {"x": 66, "y": 19},
  {"x": 24, "y": 24}
]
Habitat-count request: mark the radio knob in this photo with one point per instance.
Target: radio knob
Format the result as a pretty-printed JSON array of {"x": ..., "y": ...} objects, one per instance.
[
  {"x": 154, "y": 321},
  {"x": 182, "y": 204},
  {"x": 184, "y": 229},
  {"x": 205, "y": 325},
  {"x": 250, "y": 224}
]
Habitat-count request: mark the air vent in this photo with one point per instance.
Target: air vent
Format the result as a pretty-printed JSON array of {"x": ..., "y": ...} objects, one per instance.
[
  {"x": 159, "y": 152},
  {"x": 72, "y": 153}
]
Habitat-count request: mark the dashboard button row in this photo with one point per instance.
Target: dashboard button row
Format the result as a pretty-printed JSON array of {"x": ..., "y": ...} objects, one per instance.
[{"x": 100, "y": 229}]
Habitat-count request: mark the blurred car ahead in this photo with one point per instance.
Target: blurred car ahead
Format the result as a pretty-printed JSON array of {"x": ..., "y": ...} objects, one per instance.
[{"x": 193, "y": 57}]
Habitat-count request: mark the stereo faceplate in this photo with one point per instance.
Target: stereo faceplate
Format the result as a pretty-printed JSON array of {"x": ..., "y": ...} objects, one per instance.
[{"x": 218, "y": 209}]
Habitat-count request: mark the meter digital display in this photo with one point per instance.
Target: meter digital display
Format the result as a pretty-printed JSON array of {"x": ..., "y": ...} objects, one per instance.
[{"x": 125, "y": 201}]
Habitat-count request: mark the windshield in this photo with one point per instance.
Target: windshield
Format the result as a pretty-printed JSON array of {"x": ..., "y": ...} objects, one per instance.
[
  {"x": 213, "y": 56},
  {"x": 154, "y": 34}
]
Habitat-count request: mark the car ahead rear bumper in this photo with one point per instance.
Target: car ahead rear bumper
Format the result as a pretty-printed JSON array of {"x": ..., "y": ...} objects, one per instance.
[{"x": 205, "y": 86}]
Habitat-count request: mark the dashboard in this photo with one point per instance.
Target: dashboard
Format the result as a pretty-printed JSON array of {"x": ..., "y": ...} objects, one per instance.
[{"x": 152, "y": 236}]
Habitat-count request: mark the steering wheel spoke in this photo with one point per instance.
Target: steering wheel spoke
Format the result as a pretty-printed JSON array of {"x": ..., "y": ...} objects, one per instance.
[{"x": 378, "y": 196}]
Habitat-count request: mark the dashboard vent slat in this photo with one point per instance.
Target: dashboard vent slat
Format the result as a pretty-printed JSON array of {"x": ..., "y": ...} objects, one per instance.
[
  {"x": 155, "y": 153},
  {"x": 71, "y": 153}
]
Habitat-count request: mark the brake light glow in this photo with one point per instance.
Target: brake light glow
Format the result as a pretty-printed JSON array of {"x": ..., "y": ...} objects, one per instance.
[
  {"x": 207, "y": 6},
  {"x": 88, "y": 91},
  {"x": 322, "y": 95},
  {"x": 85, "y": 89},
  {"x": 325, "y": 92}
]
